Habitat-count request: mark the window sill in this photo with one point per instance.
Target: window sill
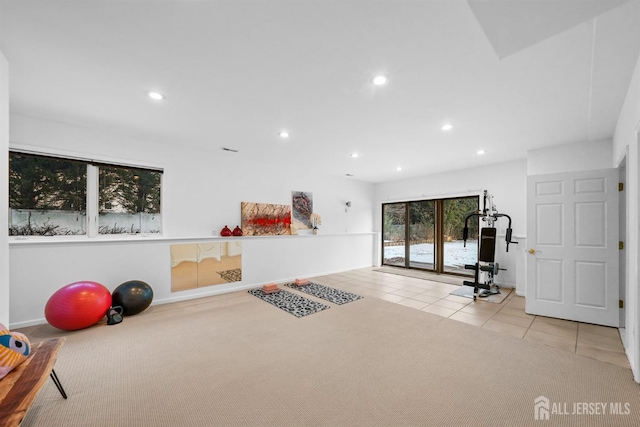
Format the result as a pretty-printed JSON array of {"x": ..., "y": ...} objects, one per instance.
[
  {"x": 21, "y": 240},
  {"x": 140, "y": 238}
]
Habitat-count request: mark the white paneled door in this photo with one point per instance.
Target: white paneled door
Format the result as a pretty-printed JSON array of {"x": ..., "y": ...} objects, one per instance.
[{"x": 572, "y": 259}]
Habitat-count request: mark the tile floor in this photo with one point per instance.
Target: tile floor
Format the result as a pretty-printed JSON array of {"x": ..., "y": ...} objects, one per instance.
[{"x": 598, "y": 342}]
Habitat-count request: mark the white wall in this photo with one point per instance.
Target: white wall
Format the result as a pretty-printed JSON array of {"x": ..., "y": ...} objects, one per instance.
[
  {"x": 202, "y": 192},
  {"x": 625, "y": 140},
  {"x": 505, "y": 181},
  {"x": 4, "y": 188},
  {"x": 573, "y": 157},
  {"x": 39, "y": 269},
  {"x": 203, "y": 189}
]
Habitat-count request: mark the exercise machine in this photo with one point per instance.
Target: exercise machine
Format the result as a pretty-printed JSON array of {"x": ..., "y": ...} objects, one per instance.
[{"x": 486, "y": 267}]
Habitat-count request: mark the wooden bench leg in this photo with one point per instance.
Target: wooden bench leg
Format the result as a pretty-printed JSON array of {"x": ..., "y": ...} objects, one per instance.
[{"x": 58, "y": 384}]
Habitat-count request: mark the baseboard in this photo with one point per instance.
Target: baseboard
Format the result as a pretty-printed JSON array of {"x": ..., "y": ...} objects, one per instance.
[
  {"x": 503, "y": 285},
  {"x": 28, "y": 323}
]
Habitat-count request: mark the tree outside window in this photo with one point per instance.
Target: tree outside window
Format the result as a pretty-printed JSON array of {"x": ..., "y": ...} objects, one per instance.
[
  {"x": 129, "y": 200},
  {"x": 48, "y": 196}
]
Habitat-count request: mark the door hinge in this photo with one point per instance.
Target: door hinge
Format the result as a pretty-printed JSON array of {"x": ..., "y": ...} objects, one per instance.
[
  {"x": 620, "y": 245},
  {"x": 620, "y": 303},
  {"x": 621, "y": 186}
]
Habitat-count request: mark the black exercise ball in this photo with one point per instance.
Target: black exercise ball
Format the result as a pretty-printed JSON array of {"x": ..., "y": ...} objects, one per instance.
[{"x": 133, "y": 296}]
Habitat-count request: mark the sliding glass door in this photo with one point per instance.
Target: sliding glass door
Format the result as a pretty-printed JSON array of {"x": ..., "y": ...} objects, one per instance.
[
  {"x": 427, "y": 234},
  {"x": 455, "y": 254},
  {"x": 422, "y": 228},
  {"x": 394, "y": 233}
]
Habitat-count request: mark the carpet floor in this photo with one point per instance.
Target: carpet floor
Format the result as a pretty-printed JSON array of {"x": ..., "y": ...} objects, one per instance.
[{"x": 232, "y": 360}]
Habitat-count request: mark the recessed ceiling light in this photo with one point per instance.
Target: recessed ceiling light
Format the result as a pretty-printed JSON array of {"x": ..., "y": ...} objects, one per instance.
[
  {"x": 155, "y": 95},
  {"x": 380, "y": 80},
  {"x": 481, "y": 152},
  {"x": 355, "y": 155},
  {"x": 284, "y": 134},
  {"x": 447, "y": 126},
  {"x": 399, "y": 168}
]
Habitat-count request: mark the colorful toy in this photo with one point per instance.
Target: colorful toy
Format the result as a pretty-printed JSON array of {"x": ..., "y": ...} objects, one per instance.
[
  {"x": 133, "y": 296},
  {"x": 78, "y": 305},
  {"x": 14, "y": 349}
]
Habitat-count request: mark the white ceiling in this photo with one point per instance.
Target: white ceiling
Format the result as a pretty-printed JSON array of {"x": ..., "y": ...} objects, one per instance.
[{"x": 509, "y": 75}]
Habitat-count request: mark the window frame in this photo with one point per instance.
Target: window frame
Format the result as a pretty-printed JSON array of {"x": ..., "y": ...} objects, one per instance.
[
  {"x": 438, "y": 265},
  {"x": 92, "y": 202}
]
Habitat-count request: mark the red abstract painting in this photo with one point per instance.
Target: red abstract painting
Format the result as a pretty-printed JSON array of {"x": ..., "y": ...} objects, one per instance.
[{"x": 263, "y": 219}]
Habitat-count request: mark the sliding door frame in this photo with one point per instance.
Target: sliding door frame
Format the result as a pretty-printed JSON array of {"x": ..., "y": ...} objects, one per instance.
[{"x": 438, "y": 262}]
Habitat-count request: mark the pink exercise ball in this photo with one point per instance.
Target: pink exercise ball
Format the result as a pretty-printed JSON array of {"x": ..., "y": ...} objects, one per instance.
[{"x": 77, "y": 305}]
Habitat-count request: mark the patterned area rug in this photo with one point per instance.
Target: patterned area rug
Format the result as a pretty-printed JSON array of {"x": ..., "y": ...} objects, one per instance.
[
  {"x": 326, "y": 293},
  {"x": 294, "y": 304},
  {"x": 234, "y": 275}
]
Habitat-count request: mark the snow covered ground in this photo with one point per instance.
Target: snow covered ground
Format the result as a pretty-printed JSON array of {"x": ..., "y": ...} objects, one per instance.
[{"x": 455, "y": 254}]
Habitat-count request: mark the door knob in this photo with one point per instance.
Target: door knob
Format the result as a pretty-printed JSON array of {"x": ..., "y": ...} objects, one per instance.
[{"x": 532, "y": 251}]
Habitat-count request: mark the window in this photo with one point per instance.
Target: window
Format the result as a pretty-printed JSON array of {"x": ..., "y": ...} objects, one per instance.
[
  {"x": 51, "y": 196},
  {"x": 129, "y": 200},
  {"x": 47, "y": 196},
  {"x": 393, "y": 233},
  {"x": 427, "y": 234},
  {"x": 454, "y": 253}
]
